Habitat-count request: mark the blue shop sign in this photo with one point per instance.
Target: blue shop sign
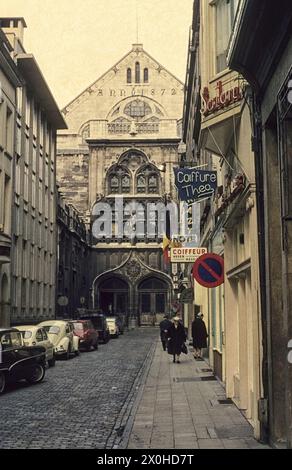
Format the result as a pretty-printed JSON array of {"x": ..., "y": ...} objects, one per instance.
[{"x": 195, "y": 185}]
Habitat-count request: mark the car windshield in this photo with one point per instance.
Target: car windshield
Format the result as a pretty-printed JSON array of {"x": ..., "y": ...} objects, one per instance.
[
  {"x": 52, "y": 330},
  {"x": 78, "y": 326},
  {"x": 26, "y": 334}
]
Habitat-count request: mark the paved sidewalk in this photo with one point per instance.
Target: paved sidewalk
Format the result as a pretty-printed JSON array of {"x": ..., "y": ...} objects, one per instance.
[{"x": 180, "y": 411}]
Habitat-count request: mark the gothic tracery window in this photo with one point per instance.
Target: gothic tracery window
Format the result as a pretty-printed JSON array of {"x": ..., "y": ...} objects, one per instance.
[
  {"x": 119, "y": 181},
  {"x": 137, "y": 109},
  {"x": 147, "y": 181}
]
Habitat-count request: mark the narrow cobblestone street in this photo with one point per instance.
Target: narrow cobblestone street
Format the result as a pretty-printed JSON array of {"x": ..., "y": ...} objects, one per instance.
[
  {"x": 81, "y": 401},
  {"x": 126, "y": 394}
]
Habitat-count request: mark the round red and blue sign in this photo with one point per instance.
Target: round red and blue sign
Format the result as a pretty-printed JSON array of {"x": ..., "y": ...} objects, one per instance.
[{"x": 208, "y": 270}]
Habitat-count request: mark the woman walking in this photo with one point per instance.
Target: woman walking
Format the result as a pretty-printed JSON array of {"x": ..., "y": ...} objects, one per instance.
[
  {"x": 177, "y": 337},
  {"x": 200, "y": 335}
]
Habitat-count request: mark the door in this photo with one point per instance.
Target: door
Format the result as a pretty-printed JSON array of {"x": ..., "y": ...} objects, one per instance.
[{"x": 153, "y": 295}]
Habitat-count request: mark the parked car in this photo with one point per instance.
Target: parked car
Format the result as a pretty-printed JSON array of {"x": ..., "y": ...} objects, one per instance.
[
  {"x": 113, "y": 326},
  {"x": 76, "y": 339},
  {"x": 120, "y": 319},
  {"x": 37, "y": 336},
  {"x": 99, "y": 323},
  {"x": 87, "y": 334},
  {"x": 18, "y": 361},
  {"x": 60, "y": 333}
]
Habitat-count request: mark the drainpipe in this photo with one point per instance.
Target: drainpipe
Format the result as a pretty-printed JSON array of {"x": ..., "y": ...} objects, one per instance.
[{"x": 259, "y": 172}]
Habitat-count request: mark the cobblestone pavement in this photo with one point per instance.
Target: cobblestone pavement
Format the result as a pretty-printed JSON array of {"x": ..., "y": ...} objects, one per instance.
[{"x": 83, "y": 402}]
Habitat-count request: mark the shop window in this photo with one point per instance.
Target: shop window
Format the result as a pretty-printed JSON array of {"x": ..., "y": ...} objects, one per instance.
[{"x": 225, "y": 16}]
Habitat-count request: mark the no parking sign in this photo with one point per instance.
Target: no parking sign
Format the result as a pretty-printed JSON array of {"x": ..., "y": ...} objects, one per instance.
[{"x": 208, "y": 270}]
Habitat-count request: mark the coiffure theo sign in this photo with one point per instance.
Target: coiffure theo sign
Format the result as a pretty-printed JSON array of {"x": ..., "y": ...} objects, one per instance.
[
  {"x": 194, "y": 185},
  {"x": 223, "y": 99}
]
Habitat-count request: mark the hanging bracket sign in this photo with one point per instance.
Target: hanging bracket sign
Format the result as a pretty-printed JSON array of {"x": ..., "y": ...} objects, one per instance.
[{"x": 195, "y": 185}]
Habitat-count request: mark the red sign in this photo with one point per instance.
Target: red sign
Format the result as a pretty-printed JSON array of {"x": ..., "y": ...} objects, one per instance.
[
  {"x": 208, "y": 270},
  {"x": 224, "y": 98}
]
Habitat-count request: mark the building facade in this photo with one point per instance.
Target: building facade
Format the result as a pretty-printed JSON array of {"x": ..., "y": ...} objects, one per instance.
[
  {"x": 221, "y": 140},
  {"x": 73, "y": 257},
  {"x": 33, "y": 269},
  {"x": 9, "y": 82},
  {"x": 121, "y": 145},
  {"x": 268, "y": 70}
]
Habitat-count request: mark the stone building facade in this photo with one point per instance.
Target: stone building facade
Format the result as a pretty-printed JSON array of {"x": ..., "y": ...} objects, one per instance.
[
  {"x": 33, "y": 266},
  {"x": 9, "y": 81},
  {"x": 72, "y": 261},
  {"x": 122, "y": 141}
]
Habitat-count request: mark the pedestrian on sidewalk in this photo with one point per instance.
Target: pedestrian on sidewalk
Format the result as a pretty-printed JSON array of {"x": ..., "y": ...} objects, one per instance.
[
  {"x": 176, "y": 339},
  {"x": 164, "y": 327},
  {"x": 200, "y": 335}
]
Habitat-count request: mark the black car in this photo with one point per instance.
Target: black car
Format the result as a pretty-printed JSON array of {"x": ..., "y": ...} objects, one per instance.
[
  {"x": 99, "y": 322},
  {"x": 19, "y": 362}
]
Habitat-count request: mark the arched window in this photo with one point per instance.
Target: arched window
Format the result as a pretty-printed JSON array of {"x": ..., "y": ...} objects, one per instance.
[
  {"x": 119, "y": 181},
  {"x": 129, "y": 75},
  {"x": 147, "y": 181},
  {"x": 146, "y": 75},
  {"x": 137, "y": 72}
]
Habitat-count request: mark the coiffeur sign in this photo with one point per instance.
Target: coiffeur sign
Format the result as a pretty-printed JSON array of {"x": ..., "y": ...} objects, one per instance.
[
  {"x": 186, "y": 255},
  {"x": 224, "y": 98},
  {"x": 194, "y": 185}
]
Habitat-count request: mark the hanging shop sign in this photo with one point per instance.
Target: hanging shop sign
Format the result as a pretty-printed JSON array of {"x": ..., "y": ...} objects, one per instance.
[
  {"x": 187, "y": 296},
  {"x": 223, "y": 99},
  {"x": 208, "y": 270},
  {"x": 186, "y": 255},
  {"x": 194, "y": 185}
]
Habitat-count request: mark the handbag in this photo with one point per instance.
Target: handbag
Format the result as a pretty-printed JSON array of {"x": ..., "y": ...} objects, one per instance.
[{"x": 184, "y": 349}]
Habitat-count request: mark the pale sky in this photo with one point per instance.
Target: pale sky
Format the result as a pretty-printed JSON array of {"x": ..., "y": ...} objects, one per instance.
[{"x": 76, "y": 41}]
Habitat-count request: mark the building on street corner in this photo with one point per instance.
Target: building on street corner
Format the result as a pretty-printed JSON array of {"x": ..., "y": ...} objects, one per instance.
[
  {"x": 9, "y": 82},
  {"x": 33, "y": 245},
  {"x": 121, "y": 144}
]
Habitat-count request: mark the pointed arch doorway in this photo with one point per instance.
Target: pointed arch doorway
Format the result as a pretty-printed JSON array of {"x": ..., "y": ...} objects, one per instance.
[
  {"x": 154, "y": 300},
  {"x": 114, "y": 296}
]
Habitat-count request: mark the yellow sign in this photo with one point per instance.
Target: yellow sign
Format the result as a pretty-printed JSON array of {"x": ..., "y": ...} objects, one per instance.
[{"x": 186, "y": 255}]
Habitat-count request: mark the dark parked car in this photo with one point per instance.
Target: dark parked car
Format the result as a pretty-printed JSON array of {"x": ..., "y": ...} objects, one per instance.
[
  {"x": 18, "y": 361},
  {"x": 88, "y": 335},
  {"x": 99, "y": 322}
]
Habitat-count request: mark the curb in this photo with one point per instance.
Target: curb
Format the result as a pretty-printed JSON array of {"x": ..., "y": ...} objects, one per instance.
[{"x": 128, "y": 412}]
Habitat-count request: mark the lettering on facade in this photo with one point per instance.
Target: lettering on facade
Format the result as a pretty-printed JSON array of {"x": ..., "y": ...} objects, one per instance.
[
  {"x": 223, "y": 99},
  {"x": 136, "y": 91}
]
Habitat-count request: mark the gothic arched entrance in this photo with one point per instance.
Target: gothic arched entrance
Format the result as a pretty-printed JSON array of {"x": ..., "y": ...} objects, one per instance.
[
  {"x": 154, "y": 299},
  {"x": 113, "y": 296}
]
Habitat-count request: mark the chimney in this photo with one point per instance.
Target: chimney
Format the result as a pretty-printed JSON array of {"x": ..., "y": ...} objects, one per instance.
[{"x": 14, "y": 31}]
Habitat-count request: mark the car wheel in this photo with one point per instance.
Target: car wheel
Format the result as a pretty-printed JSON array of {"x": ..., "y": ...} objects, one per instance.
[
  {"x": 52, "y": 362},
  {"x": 2, "y": 382},
  {"x": 37, "y": 374}
]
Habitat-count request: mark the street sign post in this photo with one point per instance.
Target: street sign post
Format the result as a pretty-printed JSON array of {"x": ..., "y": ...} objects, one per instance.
[{"x": 208, "y": 270}]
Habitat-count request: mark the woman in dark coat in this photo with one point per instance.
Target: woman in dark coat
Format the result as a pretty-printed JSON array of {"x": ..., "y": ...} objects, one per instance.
[
  {"x": 200, "y": 335},
  {"x": 177, "y": 337}
]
